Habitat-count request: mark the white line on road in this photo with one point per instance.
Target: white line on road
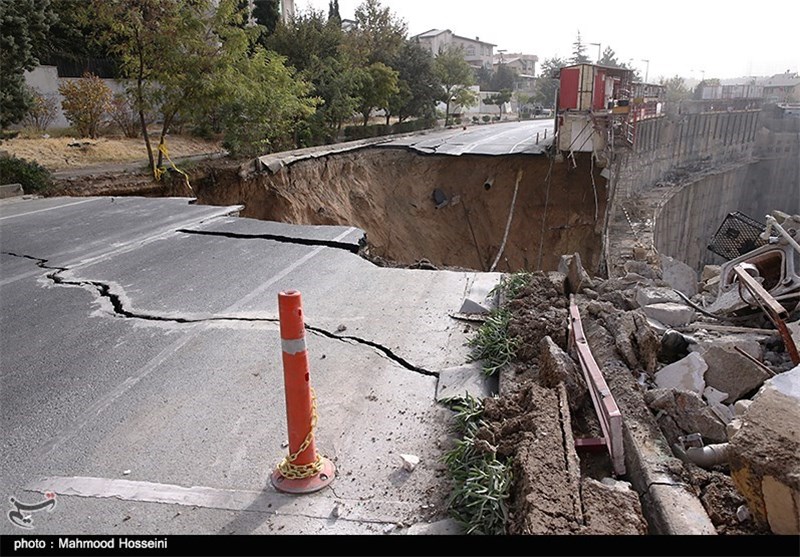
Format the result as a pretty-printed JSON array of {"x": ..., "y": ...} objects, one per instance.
[
  {"x": 49, "y": 209},
  {"x": 267, "y": 501}
]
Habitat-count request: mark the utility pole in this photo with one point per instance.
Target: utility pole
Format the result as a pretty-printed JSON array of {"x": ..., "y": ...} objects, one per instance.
[{"x": 647, "y": 71}]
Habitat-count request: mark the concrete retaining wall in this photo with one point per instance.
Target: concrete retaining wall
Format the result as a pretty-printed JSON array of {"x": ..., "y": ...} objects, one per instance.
[{"x": 685, "y": 173}]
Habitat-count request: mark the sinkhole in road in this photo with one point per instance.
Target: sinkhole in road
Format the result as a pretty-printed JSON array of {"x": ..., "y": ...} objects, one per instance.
[{"x": 451, "y": 211}]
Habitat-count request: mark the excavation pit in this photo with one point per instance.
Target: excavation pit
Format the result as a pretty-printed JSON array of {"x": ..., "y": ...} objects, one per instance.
[{"x": 450, "y": 211}]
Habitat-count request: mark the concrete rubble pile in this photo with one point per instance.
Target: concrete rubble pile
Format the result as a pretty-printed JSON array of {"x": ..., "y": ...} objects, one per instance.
[{"x": 723, "y": 380}]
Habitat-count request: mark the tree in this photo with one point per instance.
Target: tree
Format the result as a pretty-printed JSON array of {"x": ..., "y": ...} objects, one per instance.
[
  {"x": 180, "y": 54},
  {"x": 499, "y": 99},
  {"x": 676, "y": 89},
  {"x": 418, "y": 88},
  {"x": 455, "y": 77},
  {"x": 376, "y": 86},
  {"x": 379, "y": 35},
  {"x": 24, "y": 25},
  {"x": 609, "y": 58},
  {"x": 262, "y": 103},
  {"x": 333, "y": 12},
  {"x": 578, "y": 51},
  {"x": 76, "y": 34},
  {"x": 503, "y": 78},
  {"x": 314, "y": 46},
  {"x": 267, "y": 14},
  {"x": 547, "y": 84}
]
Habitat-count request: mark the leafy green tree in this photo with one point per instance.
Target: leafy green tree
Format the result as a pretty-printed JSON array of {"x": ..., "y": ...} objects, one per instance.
[
  {"x": 76, "y": 33},
  {"x": 503, "y": 78},
  {"x": 499, "y": 99},
  {"x": 314, "y": 46},
  {"x": 267, "y": 14},
  {"x": 547, "y": 83},
  {"x": 579, "y": 51},
  {"x": 24, "y": 25},
  {"x": 263, "y": 100},
  {"x": 455, "y": 78},
  {"x": 418, "y": 87},
  {"x": 379, "y": 34},
  {"x": 307, "y": 39},
  {"x": 483, "y": 77},
  {"x": 377, "y": 84},
  {"x": 336, "y": 82}
]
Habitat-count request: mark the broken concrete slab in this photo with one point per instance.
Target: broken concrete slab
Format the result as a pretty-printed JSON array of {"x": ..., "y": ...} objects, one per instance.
[
  {"x": 710, "y": 272},
  {"x": 686, "y": 374},
  {"x": 482, "y": 295},
  {"x": 556, "y": 366},
  {"x": 447, "y": 527},
  {"x": 690, "y": 413},
  {"x": 747, "y": 342},
  {"x": 468, "y": 379},
  {"x": 722, "y": 412},
  {"x": 731, "y": 372},
  {"x": 714, "y": 396},
  {"x": 577, "y": 277},
  {"x": 763, "y": 454},
  {"x": 671, "y": 315},
  {"x": 11, "y": 190},
  {"x": 679, "y": 275},
  {"x": 601, "y": 519},
  {"x": 649, "y": 295}
]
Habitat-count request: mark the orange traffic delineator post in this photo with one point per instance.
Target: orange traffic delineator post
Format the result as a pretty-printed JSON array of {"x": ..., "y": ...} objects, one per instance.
[{"x": 304, "y": 470}]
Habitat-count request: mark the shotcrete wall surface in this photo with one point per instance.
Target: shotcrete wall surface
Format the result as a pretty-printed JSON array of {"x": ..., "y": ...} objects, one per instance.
[
  {"x": 686, "y": 173},
  {"x": 389, "y": 193},
  {"x": 690, "y": 217}
]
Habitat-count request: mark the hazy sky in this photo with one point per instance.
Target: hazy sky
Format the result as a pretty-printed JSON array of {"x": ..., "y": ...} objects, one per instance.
[{"x": 723, "y": 39}]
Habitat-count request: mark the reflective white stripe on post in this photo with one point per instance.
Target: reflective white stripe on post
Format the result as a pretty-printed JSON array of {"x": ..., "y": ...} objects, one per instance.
[{"x": 293, "y": 347}]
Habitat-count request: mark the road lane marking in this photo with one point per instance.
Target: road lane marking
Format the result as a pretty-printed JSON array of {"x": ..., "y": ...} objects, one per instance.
[
  {"x": 267, "y": 501},
  {"x": 49, "y": 209}
]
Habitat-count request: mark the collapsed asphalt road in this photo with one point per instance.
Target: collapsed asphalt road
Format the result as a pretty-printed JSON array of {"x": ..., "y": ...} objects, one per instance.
[{"x": 142, "y": 379}]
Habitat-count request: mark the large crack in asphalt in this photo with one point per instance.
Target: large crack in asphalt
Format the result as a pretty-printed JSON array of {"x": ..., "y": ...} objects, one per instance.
[
  {"x": 104, "y": 291},
  {"x": 352, "y": 248}
]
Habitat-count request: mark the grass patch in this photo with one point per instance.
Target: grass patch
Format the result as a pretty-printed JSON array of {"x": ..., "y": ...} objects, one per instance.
[
  {"x": 491, "y": 342},
  {"x": 482, "y": 483}
]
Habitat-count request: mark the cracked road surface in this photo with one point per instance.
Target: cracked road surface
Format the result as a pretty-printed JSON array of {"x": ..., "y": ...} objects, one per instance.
[{"x": 142, "y": 382}]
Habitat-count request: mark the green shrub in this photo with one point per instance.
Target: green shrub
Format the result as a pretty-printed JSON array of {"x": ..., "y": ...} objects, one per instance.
[
  {"x": 486, "y": 118},
  {"x": 33, "y": 176},
  {"x": 86, "y": 102}
]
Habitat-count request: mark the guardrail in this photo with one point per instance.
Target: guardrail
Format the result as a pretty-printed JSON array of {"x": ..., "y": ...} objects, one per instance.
[{"x": 604, "y": 404}]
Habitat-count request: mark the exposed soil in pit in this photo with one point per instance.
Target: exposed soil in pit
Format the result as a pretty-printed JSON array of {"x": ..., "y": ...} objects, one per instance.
[{"x": 389, "y": 193}]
